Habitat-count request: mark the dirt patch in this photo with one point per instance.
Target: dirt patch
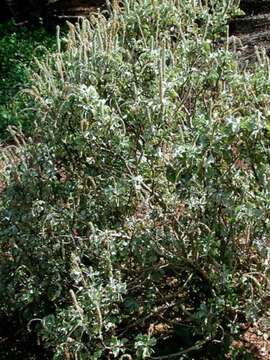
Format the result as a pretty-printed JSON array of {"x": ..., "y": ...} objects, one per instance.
[
  {"x": 251, "y": 30},
  {"x": 256, "y": 339}
]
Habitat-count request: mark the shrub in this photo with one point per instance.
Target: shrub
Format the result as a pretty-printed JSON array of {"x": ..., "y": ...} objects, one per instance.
[{"x": 135, "y": 221}]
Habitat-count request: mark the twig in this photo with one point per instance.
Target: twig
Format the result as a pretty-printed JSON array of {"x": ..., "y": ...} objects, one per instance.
[{"x": 195, "y": 347}]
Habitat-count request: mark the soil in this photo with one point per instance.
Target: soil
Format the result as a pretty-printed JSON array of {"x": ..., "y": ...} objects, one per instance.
[
  {"x": 251, "y": 30},
  {"x": 72, "y": 9},
  {"x": 256, "y": 340}
]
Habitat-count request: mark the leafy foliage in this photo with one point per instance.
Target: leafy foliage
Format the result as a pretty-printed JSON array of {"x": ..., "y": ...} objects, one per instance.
[
  {"x": 17, "y": 51},
  {"x": 136, "y": 217}
]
